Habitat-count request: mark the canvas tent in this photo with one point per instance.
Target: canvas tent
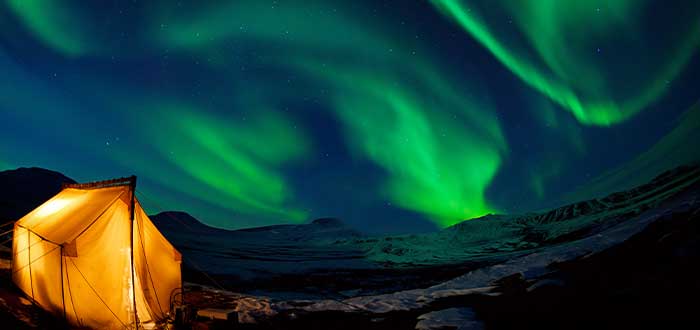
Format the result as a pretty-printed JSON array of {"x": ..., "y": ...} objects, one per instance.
[{"x": 91, "y": 255}]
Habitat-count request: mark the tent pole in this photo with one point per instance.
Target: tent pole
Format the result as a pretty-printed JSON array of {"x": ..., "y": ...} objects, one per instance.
[
  {"x": 132, "y": 188},
  {"x": 63, "y": 295}
]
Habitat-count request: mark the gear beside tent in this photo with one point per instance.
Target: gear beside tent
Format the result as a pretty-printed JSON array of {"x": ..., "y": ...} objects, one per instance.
[{"x": 91, "y": 255}]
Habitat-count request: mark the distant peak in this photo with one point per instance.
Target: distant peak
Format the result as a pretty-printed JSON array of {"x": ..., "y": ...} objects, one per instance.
[
  {"x": 179, "y": 214},
  {"x": 177, "y": 219},
  {"x": 328, "y": 222},
  {"x": 489, "y": 216}
]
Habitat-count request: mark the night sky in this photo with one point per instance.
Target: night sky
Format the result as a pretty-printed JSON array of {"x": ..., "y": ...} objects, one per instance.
[{"x": 399, "y": 117}]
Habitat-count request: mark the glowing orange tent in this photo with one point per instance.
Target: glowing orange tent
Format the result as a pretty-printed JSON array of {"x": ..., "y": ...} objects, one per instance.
[{"x": 92, "y": 255}]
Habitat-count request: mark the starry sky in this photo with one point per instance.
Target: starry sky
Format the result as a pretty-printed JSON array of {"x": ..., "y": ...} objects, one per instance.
[{"x": 395, "y": 116}]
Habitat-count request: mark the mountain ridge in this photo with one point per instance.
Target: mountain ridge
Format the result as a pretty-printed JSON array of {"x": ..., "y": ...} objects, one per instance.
[
  {"x": 31, "y": 186},
  {"x": 25, "y": 188}
]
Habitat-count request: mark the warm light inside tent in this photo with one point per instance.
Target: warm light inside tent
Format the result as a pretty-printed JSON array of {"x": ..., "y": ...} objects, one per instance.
[{"x": 52, "y": 207}]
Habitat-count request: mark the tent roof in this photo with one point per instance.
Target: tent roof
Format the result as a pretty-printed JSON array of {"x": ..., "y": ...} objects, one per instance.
[{"x": 65, "y": 216}]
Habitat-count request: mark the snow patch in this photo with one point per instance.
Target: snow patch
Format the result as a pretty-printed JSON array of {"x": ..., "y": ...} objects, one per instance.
[{"x": 451, "y": 318}]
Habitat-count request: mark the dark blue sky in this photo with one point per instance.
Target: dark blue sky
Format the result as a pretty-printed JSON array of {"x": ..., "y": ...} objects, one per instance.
[{"x": 394, "y": 116}]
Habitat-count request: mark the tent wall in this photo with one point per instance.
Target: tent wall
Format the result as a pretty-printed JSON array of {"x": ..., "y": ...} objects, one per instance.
[
  {"x": 157, "y": 265},
  {"x": 20, "y": 259},
  {"x": 62, "y": 218},
  {"x": 98, "y": 281},
  {"x": 81, "y": 267},
  {"x": 46, "y": 274},
  {"x": 36, "y": 269}
]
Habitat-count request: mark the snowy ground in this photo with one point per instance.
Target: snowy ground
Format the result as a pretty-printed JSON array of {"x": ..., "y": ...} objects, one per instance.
[
  {"x": 327, "y": 259},
  {"x": 637, "y": 222}
]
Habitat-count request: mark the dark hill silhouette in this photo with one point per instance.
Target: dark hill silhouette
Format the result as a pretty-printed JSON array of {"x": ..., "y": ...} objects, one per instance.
[
  {"x": 170, "y": 221},
  {"x": 175, "y": 222},
  {"x": 24, "y": 189}
]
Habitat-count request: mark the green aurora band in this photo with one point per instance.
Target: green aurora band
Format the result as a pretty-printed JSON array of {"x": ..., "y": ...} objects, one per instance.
[
  {"x": 232, "y": 164},
  {"x": 435, "y": 135},
  {"x": 54, "y": 24},
  {"x": 558, "y": 55},
  {"x": 436, "y": 167},
  {"x": 437, "y": 159},
  {"x": 238, "y": 160}
]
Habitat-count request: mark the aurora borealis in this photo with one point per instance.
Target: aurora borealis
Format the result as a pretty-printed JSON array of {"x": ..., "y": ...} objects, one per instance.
[
  {"x": 561, "y": 33},
  {"x": 393, "y": 116}
]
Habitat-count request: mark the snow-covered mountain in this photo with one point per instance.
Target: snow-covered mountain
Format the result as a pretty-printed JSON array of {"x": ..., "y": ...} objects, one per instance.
[{"x": 496, "y": 237}]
